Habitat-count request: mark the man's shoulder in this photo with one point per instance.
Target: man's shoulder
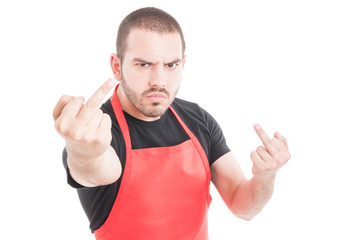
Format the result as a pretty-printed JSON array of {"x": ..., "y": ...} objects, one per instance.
[
  {"x": 107, "y": 107},
  {"x": 189, "y": 111},
  {"x": 181, "y": 103},
  {"x": 184, "y": 107}
]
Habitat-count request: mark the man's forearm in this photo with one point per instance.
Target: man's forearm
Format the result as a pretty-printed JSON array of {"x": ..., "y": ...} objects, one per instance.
[
  {"x": 102, "y": 170},
  {"x": 250, "y": 198}
]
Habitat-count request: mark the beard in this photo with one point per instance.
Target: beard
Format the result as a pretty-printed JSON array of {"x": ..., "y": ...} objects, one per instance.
[{"x": 155, "y": 109}]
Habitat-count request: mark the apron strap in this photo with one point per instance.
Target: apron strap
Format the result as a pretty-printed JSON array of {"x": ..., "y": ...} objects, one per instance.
[
  {"x": 121, "y": 119},
  {"x": 199, "y": 149}
]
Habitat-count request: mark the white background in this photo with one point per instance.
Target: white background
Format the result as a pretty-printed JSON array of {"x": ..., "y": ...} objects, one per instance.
[{"x": 292, "y": 66}]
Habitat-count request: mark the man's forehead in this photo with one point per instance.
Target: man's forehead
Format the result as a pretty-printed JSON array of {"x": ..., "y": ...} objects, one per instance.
[
  {"x": 145, "y": 35},
  {"x": 146, "y": 44}
]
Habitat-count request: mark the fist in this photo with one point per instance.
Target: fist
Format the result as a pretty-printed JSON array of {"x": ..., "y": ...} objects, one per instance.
[{"x": 84, "y": 127}]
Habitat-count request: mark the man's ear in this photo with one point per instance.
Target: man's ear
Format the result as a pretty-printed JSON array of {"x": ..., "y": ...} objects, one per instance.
[{"x": 116, "y": 67}]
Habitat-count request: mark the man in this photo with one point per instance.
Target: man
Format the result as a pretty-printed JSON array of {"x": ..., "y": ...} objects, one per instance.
[{"x": 142, "y": 165}]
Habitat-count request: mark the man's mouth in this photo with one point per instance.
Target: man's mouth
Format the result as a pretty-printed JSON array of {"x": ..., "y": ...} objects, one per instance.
[{"x": 156, "y": 97}]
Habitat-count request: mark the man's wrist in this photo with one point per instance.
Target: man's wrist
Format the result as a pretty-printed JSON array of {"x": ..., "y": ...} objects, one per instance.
[{"x": 265, "y": 179}]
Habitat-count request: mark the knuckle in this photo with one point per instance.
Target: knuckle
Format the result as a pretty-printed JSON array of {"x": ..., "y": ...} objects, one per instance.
[
  {"x": 269, "y": 140},
  {"x": 61, "y": 126},
  {"x": 280, "y": 159},
  {"x": 276, "y": 141},
  {"x": 285, "y": 157},
  {"x": 107, "y": 120},
  {"x": 99, "y": 112},
  {"x": 253, "y": 154},
  {"x": 101, "y": 118},
  {"x": 58, "y": 125},
  {"x": 89, "y": 139},
  {"x": 103, "y": 89},
  {"x": 91, "y": 103},
  {"x": 280, "y": 162},
  {"x": 96, "y": 115},
  {"x": 274, "y": 166},
  {"x": 65, "y": 98},
  {"x": 106, "y": 116},
  {"x": 259, "y": 149},
  {"x": 105, "y": 123},
  {"x": 76, "y": 101},
  {"x": 74, "y": 135},
  {"x": 105, "y": 138},
  {"x": 272, "y": 143}
]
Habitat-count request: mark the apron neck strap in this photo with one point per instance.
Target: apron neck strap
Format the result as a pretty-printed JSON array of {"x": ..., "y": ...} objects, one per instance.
[{"x": 120, "y": 118}]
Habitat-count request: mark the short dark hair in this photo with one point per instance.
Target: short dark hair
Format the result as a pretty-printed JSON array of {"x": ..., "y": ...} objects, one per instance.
[{"x": 149, "y": 18}]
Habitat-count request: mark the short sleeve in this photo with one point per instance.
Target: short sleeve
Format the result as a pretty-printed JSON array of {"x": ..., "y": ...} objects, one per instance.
[
  {"x": 218, "y": 144},
  {"x": 70, "y": 180}
]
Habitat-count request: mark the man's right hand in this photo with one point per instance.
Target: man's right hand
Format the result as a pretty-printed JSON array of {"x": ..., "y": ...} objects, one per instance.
[{"x": 87, "y": 134}]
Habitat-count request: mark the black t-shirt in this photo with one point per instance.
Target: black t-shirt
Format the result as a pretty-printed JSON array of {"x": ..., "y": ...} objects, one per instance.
[{"x": 97, "y": 202}]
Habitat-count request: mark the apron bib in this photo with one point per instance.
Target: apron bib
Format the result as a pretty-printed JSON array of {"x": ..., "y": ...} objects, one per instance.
[{"x": 164, "y": 193}]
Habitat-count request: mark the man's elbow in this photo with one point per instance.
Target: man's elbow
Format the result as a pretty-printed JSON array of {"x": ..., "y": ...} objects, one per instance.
[
  {"x": 245, "y": 215},
  {"x": 247, "y": 218}
]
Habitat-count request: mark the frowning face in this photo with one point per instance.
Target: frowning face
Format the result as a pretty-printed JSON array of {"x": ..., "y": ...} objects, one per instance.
[{"x": 151, "y": 73}]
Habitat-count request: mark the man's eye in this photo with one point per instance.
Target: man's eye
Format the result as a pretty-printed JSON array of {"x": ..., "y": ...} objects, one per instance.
[
  {"x": 171, "y": 65},
  {"x": 144, "y": 65}
]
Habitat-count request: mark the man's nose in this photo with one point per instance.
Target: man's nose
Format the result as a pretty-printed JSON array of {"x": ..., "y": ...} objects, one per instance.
[{"x": 158, "y": 76}]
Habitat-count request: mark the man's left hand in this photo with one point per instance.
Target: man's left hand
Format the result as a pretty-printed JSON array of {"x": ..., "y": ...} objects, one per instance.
[{"x": 270, "y": 157}]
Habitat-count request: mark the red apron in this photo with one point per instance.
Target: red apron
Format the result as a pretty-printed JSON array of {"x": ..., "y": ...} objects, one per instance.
[{"x": 164, "y": 192}]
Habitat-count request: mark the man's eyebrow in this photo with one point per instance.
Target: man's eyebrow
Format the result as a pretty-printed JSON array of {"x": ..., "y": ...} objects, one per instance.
[
  {"x": 141, "y": 60},
  {"x": 177, "y": 60}
]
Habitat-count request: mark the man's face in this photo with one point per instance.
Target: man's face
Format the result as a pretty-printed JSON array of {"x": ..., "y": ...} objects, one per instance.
[{"x": 152, "y": 70}]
